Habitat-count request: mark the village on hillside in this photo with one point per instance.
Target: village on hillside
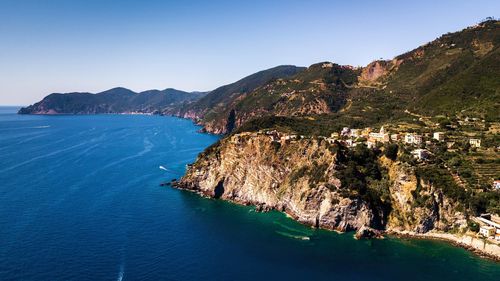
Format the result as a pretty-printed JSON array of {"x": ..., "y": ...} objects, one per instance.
[{"x": 470, "y": 156}]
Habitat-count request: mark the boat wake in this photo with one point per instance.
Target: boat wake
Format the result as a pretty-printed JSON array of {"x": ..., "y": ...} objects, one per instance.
[
  {"x": 289, "y": 235},
  {"x": 304, "y": 232},
  {"x": 121, "y": 273},
  {"x": 40, "y": 127}
]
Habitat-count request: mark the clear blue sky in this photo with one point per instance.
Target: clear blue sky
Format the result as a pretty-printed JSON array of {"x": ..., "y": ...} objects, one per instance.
[{"x": 92, "y": 45}]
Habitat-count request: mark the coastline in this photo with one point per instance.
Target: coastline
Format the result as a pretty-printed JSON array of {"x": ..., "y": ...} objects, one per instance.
[{"x": 478, "y": 246}]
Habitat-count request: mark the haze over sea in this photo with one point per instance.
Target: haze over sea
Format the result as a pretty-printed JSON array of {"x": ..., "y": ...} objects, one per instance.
[{"x": 80, "y": 200}]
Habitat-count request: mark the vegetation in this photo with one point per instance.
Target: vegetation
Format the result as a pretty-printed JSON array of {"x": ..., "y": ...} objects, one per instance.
[{"x": 209, "y": 106}]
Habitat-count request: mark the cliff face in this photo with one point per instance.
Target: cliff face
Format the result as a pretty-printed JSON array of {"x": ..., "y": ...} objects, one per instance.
[
  {"x": 300, "y": 178},
  {"x": 297, "y": 177},
  {"x": 418, "y": 206}
]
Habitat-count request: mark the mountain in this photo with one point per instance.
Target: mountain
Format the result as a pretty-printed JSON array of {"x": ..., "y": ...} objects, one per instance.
[
  {"x": 116, "y": 100},
  {"x": 215, "y": 103},
  {"x": 286, "y": 148},
  {"x": 454, "y": 75},
  {"x": 320, "y": 89}
]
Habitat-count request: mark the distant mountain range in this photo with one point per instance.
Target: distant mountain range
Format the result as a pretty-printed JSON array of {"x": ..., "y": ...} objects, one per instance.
[
  {"x": 116, "y": 100},
  {"x": 458, "y": 73}
]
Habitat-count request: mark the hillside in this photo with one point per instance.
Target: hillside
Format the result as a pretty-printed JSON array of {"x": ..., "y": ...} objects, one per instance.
[
  {"x": 458, "y": 71},
  {"x": 320, "y": 89},
  {"x": 116, "y": 100},
  {"x": 456, "y": 74},
  {"x": 405, "y": 146},
  {"x": 215, "y": 103}
]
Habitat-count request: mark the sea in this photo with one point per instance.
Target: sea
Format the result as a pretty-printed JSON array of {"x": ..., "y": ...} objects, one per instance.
[{"x": 80, "y": 199}]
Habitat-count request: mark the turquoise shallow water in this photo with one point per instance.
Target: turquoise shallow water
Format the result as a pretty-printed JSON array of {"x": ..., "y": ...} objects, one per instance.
[{"x": 80, "y": 200}]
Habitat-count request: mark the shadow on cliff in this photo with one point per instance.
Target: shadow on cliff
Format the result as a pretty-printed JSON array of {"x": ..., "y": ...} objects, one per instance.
[{"x": 219, "y": 190}]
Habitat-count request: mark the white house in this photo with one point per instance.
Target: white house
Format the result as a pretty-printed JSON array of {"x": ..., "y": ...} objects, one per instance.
[
  {"x": 420, "y": 154},
  {"x": 413, "y": 138},
  {"x": 496, "y": 184},
  {"x": 349, "y": 143},
  {"x": 489, "y": 228},
  {"x": 371, "y": 144},
  {"x": 475, "y": 142},
  {"x": 395, "y": 137},
  {"x": 438, "y": 136},
  {"x": 487, "y": 231},
  {"x": 346, "y": 132}
]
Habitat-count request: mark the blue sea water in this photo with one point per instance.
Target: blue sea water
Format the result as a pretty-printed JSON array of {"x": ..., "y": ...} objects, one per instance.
[{"x": 80, "y": 200}]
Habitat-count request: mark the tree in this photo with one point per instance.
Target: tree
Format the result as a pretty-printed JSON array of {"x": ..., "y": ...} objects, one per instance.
[{"x": 391, "y": 151}]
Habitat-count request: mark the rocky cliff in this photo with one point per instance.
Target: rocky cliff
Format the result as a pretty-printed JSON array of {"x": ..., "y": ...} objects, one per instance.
[
  {"x": 304, "y": 178},
  {"x": 419, "y": 206}
]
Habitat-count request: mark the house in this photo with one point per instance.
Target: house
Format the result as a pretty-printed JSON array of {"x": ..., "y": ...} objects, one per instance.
[
  {"x": 475, "y": 142},
  {"x": 420, "y": 154},
  {"x": 366, "y": 131},
  {"x": 331, "y": 140},
  {"x": 381, "y": 136},
  {"x": 417, "y": 139},
  {"x": 488, "y": 228},
  {"x": 371, "y": 143},
  {"x": 439, "y": 136},
  {"x": 355, "y": 133},
  {"x": 346, "y": 132},
  {"x": 395, "y": 137},
  {"x": 487, "y": 231},
  {"x": 274, "y": 135},
  {"x": 349, "y": 143},
  {"x": 290, "y": 137},
  {"x": 413, "y": 138},
  {"x": 496, "y": 184}
]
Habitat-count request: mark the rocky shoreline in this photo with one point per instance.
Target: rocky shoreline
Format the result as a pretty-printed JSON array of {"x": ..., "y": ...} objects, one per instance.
[
  {"x": 249, "y": 169},
  {"x": 473, "y": 244},
  {"x": 478, "y": 246}
]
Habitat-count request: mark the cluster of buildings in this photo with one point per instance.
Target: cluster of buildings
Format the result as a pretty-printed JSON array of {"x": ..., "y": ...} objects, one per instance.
[
  {"x": 276, "y": 136},
  {"x": 351, "y": 137},
  {"x": 488, "y": 227}
]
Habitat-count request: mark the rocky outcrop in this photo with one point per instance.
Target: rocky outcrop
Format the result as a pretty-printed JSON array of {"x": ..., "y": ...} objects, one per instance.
[
  {"x": 367, "y": 232},
  {"x": 296, "y": 177},
  {"x": 300, "y": 178},
  {"x": 419, "y": 206}
]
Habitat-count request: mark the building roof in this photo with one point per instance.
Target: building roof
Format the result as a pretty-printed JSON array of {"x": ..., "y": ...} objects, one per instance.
[{"x": 494, "y": 224}]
